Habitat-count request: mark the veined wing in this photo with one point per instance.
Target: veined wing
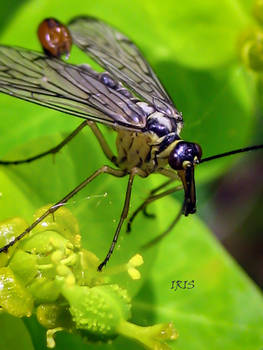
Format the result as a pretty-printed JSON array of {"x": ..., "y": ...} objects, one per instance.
[
  {"x": 119, "y": 56},
  {"x": 75, "y": 90}
]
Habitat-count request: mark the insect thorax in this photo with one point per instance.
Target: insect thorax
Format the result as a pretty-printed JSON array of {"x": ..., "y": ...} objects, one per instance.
[{"x": 148, "y": 150}]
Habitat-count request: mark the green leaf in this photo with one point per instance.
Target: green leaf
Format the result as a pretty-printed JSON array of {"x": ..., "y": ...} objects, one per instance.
[
  {"x": 224, "y": 309},
  {"x": 206, "y": 31}
]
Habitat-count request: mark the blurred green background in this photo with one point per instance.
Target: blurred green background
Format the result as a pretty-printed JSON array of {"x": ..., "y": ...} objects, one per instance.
[{"x": 193, "y": 47}]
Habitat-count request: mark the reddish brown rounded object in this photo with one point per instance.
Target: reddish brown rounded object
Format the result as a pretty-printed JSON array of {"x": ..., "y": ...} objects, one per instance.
[{"x": 54, "y": 37}]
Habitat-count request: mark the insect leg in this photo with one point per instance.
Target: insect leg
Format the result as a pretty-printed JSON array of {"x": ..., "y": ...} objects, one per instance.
[
  {"x": 160, "y": 187},
  {"x": 51, "y": 150},
  {"x": 155, "y": 190},
  {"x": 172, "y": 177},
  {"x": 103, "y": 143},
  {"x": 103, "y": 170},
  {"x": 150, "y": 199},
  {"x": 125, "y": 210},
  {"x": 162, "y": 235}
]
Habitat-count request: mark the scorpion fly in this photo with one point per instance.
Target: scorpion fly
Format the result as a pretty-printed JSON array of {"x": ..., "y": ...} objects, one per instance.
[{"x": 128, "y": 97}]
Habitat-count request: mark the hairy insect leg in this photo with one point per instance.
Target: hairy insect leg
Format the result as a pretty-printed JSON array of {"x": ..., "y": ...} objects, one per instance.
[
  {"x": 105, "y": 147},
  {"x": 52, "y": 150},
  {"x": 162, "y": 235},
  {"x": 124, "y": 214},
  {"x": 149, "y": 200},
  {"x": 161, "y": 187},
  {"x": 103, "y": 143},
  {"x": 155, "y": 190},
  {"x": 103, "y": 170}
]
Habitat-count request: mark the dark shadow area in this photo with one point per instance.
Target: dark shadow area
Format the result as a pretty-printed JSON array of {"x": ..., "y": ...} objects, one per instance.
[
  {"x": 37, "y": 333},
  {"x": 142, "y": 311},
  {"x": 236, "y": 216},
  {"x": 234, "y": 209}
]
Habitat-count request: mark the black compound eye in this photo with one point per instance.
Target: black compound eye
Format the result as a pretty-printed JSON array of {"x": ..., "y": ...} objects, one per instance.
[
  {"x": 198, "y": 150},
  {"x": 175, "y": 160},
  {"x": 184, "y": 154},
  {"x": 189, "y": 152}
]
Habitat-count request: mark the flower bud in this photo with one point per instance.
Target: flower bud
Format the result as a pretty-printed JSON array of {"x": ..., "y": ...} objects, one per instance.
[{"x": 98, "y": 310}]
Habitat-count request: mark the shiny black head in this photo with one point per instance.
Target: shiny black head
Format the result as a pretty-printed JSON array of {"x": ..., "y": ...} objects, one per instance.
[
  {"x": 183, "y": 158},
  {"x": 185, "y": 154}
]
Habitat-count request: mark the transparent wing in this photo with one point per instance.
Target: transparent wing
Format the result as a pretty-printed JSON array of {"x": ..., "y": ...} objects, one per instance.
[
  {"x": 119, "y": 56},
  {"x": 75, "y": 90}
]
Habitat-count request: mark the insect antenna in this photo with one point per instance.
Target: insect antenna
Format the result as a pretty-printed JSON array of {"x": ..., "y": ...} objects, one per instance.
[{"x": 230, "y": 153}]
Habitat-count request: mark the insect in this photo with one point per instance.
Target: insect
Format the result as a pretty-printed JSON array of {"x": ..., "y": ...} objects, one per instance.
[{"x": 128, "y": 97}]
